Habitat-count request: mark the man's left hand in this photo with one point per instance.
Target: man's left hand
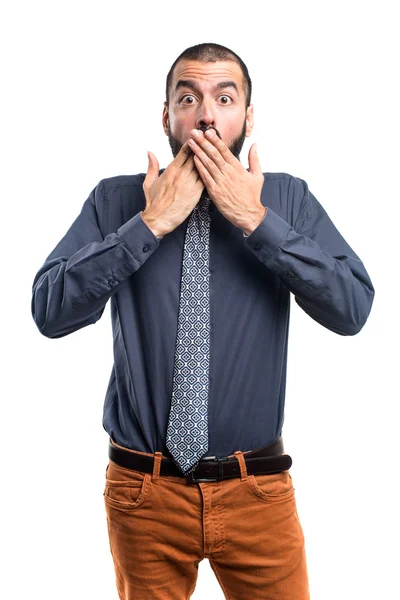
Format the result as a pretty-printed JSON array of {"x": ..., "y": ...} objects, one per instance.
[{"x": 235, "y": 191}]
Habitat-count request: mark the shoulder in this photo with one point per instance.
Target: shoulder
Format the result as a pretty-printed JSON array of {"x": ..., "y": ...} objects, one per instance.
[
  {"x": 292, "y": 187},
  {"x": 285, "y": 194},
  {"x": 110, "y": 184},
  {"x": 292, "y": 180}
]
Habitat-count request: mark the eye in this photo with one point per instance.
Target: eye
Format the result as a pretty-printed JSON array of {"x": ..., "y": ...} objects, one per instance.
[
  {"x": 224, "y": 96},
  {"x": 186, "y": 96}
]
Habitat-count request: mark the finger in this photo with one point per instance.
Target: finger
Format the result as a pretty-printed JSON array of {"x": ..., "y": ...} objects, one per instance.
[
  {"x": 194, "y": 172},
  {"x": 222, "y": 148},
  {"x": 188, "y": 170},
  {"x": 188, "y": 166},
  {"x": 209, "y": 151},
  {"x": 204, "y": 174},
  {"x": 183, "y": 154},
  {"x": 214, "y": 170},
  {"x": 199, "y": 185},
  {"x": 152, "y": 171},
  {"x": 254, "y": 162}
]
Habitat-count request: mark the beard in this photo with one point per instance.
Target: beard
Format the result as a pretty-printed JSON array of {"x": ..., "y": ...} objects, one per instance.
[{"x": 235, "y": 146}]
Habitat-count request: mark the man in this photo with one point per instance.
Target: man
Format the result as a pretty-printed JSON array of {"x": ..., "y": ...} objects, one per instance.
[{"x": 199, "y": 260}]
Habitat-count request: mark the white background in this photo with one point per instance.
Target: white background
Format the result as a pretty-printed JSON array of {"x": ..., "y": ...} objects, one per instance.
[{"x": 83, "y": 87}]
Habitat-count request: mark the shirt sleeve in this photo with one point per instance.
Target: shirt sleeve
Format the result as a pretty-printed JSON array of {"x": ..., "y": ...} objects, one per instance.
[
  {"x": 73, "y": 285},
  {"x": 158, "y": 237},
  {"x": 327, "y": 278}
]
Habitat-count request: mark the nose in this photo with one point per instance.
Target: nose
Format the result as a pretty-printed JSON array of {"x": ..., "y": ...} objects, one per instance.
[
  {"x": 205, "y": 117},
  {"x": 205, "y": 124}
]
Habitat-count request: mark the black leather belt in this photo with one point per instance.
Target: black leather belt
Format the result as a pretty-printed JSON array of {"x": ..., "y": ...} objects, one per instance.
[{"x": 268, "y": 459}]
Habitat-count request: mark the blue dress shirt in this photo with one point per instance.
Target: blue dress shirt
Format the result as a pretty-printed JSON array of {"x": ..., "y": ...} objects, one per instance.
[{"x": 110, "y": 253}]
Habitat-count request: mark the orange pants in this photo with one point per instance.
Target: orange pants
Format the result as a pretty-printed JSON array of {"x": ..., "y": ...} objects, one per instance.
[{"x": 161, "y": 527}]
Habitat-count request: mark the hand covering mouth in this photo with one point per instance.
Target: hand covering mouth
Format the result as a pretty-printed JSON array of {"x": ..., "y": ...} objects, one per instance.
[{"x": 204, "y": 129}]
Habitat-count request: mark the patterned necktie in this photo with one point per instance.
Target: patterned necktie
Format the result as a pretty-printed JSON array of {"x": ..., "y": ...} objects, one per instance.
[{"x": 187, "y": 432}]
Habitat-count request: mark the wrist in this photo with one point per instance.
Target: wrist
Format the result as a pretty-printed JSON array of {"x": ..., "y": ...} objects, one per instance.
[
  {"x": 152, "y": 224},
  {"x": 256, "y": 222}
]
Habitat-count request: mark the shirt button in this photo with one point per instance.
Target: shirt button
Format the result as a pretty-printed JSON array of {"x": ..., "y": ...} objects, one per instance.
[
  {"x": 145, "y": 248},
  {"x": 257, "y": 246}
]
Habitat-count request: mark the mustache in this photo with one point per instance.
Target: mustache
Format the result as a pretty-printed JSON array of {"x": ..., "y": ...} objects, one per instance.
[{"x": 204, "y": 128}]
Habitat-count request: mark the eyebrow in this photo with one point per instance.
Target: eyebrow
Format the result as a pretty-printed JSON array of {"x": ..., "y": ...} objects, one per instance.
[{"x": 188, "y": 83}]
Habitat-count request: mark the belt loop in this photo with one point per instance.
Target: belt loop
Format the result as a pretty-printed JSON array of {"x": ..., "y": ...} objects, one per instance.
[
  {"x": 242, "y": 465},
  {"x": 156, "y": 467}
]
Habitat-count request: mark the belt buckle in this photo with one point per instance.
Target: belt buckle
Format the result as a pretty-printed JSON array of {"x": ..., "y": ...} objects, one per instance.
[{"x": 192, "y": 479}]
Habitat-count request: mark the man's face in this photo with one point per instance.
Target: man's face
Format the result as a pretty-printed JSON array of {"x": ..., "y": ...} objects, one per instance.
[{"x": 196, "y": 102}]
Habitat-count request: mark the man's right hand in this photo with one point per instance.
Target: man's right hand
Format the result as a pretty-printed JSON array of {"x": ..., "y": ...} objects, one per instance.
[{"x": 171, "y": 197}]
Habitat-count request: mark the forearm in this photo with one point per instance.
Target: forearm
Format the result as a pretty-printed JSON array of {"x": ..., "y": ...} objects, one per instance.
[
  {"x": 334, "y": 288},
  {"x": 73, "y": 285}
]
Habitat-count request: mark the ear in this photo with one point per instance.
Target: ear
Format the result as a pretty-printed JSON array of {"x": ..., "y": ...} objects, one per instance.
[
  {"x": 249, "y": 120},
  {"x": 165, "y": 118}
]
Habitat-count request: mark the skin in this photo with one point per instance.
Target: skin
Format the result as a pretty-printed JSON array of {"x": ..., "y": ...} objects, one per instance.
[
  {"x": 213, "y": 158},
  {"x": 222, "y": 109}
]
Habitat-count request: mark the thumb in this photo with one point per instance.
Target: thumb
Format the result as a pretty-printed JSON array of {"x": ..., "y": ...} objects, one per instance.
[
  {"x": 152, "y": 170},
  {"x": 254, "y": 163}
]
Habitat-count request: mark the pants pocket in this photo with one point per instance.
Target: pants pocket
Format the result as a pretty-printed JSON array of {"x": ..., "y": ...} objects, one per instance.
[
  {"x": 274, "y": 487},
  {"x": 125, "y": 489}
]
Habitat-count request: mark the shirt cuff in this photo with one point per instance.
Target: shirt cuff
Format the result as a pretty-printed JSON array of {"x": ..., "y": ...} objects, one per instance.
[
  {"x": 269, "y": 233},
  {"x": 158, "y": 237},
  {"x": 248, "y": 235},
  {"x": 138, "y": 236}
]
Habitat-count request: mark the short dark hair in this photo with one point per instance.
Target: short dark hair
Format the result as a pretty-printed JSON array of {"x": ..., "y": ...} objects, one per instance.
[{"x": 209, "y": 52}]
